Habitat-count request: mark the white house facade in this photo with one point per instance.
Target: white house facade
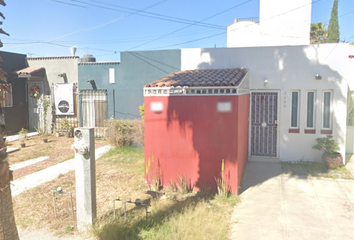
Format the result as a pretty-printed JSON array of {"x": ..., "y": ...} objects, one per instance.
[{"x": 298, "y": 93}]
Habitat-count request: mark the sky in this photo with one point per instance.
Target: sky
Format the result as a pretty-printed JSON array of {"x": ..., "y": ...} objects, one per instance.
[{"x": 104, "y": 28}]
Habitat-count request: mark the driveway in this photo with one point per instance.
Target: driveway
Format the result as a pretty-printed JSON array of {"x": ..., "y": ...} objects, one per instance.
[{"x": 277, "y": 205}]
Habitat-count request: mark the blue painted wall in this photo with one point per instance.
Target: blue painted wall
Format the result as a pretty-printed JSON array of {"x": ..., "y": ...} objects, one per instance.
[{"x": 134, "y": 71}]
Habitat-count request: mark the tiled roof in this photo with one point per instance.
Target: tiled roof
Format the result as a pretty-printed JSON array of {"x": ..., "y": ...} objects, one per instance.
[
  {"x": 50, "y": 58},
  {"x": 29, "y": 70},
  {"x": 201, "y": 78}
]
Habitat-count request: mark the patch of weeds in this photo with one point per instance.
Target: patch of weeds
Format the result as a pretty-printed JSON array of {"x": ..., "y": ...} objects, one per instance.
[
  {"x": 231, "y": 200},
  {"x": 185, "y": 184},
  {"x": 315, "y": 169}
]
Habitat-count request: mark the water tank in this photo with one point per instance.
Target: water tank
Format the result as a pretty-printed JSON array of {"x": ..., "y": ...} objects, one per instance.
[{"x": 88, "y": 58}]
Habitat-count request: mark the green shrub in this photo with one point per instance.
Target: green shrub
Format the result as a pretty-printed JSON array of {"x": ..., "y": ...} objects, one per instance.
[
  {"x": 326, "y": 144},
  {"x": 125, "y": 132},
  {"x": 142, "y": 111}
]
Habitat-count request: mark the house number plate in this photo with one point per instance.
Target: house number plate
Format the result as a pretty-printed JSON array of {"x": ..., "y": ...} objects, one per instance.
[{"x": 264, "y": 124}]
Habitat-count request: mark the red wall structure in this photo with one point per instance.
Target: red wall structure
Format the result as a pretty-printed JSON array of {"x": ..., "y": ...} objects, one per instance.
[{"x": 190, "y": 138}]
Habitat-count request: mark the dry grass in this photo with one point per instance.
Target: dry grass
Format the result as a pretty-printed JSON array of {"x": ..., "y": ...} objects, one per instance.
[
  {"x": 120, "y": 174},
  {"x": 34, "y": 208},
  {"x": 57, "y": 149}
]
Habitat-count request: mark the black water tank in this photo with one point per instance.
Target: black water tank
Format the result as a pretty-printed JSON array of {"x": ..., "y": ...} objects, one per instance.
[{"x": 88, "y": 58}]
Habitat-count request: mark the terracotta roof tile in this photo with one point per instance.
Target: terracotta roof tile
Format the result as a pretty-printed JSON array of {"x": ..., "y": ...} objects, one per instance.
[
  {"x": 201, "y": 78},
  {"x": 29, "y": 70}
]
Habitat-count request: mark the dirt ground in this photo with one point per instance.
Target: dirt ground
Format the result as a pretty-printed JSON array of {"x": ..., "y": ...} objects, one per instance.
[{"x": 58, "y": 149}]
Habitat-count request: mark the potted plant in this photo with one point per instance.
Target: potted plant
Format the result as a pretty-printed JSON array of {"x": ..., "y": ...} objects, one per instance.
[
  {"x": 330, "y": 149},
  {"x": 23, "y": 136}
]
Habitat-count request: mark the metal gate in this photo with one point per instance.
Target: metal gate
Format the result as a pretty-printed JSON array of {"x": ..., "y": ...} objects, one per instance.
[
  {"x": 94, "y": 110},
  {"x": 264, "y": 117}
]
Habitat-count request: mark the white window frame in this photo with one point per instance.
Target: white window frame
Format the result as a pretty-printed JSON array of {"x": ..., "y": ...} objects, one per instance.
[
  {"x": 298, "y": 109},
  {"x": 314, "y": 109},
  {"x": 330, "y": 109}
]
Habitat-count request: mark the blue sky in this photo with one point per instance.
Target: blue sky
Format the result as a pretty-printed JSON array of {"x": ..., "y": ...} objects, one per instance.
[{"x": 104, "y": 28}]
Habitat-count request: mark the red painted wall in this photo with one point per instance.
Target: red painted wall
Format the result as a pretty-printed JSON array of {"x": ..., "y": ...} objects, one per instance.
[{"x": 190, "y": 138}]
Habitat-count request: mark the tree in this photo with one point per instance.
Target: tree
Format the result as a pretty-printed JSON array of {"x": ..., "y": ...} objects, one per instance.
[
  {"x": 318, "y": 33},
  {"x": 333, "y": 27},
  {"x": 8, "y": 229}
]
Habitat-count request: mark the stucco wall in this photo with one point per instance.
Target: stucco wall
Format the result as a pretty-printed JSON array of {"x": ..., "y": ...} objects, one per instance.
[
  {"x": 280, "y": 23},
  {"x": 286, "y": 69},
  {"x": 100, "y": 73},
  {"x": 190, "y": 138},
  {"x": 55, "y": 66},
  {"x": 140, "y": 68}
]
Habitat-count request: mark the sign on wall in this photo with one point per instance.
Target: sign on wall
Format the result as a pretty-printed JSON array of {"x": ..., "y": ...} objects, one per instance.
[{"x": 64, "y": 98}]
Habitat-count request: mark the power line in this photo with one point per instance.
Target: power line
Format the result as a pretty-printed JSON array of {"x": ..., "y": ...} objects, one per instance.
[
  {"x": 250, "y": 25},
  {"x": 151, "y": 64},
  {"x": 153, "y": 60},
  {"x": 177, "y": 44},
  {"x": 180, "y": 29},
  {"x": 147, "y": 14},
  {"x": 99, "y": 26},
  {"x": 71, "y": 4}
]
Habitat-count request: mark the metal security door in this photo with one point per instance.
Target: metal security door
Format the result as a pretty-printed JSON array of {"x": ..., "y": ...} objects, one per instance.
[{"x": 264, "y": 117}]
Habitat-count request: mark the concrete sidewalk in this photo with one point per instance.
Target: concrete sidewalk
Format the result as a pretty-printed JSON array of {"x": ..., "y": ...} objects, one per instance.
[
  {"x": 49, "y": 174},
  {"x": 276, "y": 205}
]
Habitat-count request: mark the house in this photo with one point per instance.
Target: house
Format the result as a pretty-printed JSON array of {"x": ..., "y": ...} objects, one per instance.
[
  {"x": 119, "y": 84},
  {"x": 54, "y": 79},
  {"x": 296, "y": 94},
  {"x": 287, "y": 24},
  {"x": 13, "y": 99}
]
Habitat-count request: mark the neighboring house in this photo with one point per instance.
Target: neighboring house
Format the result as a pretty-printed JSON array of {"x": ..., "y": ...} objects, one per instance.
[
  {"x": 281, "y": 23},
  {"x": 44, "y": 73},
  {"x": 122, "y": 83},
  {"x": 97, "y": 94},
  {"x": 13, "y": 99}
]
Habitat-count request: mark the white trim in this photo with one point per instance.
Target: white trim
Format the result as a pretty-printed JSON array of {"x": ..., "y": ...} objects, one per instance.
[
  {"x": 330, "y": 111},
  {"x": 196, "y": 91},
  {"x": 314, "y": 109},
  {"x": 298, "y": 108}
]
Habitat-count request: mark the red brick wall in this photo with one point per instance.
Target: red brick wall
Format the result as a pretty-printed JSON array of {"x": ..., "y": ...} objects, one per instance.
[{"x": 190, "y": 137}]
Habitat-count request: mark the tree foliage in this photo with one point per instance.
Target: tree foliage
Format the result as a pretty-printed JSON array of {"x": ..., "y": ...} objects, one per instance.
[
  {"x": 318, "y": 33},
  {"x": 333, "y": 27}
]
